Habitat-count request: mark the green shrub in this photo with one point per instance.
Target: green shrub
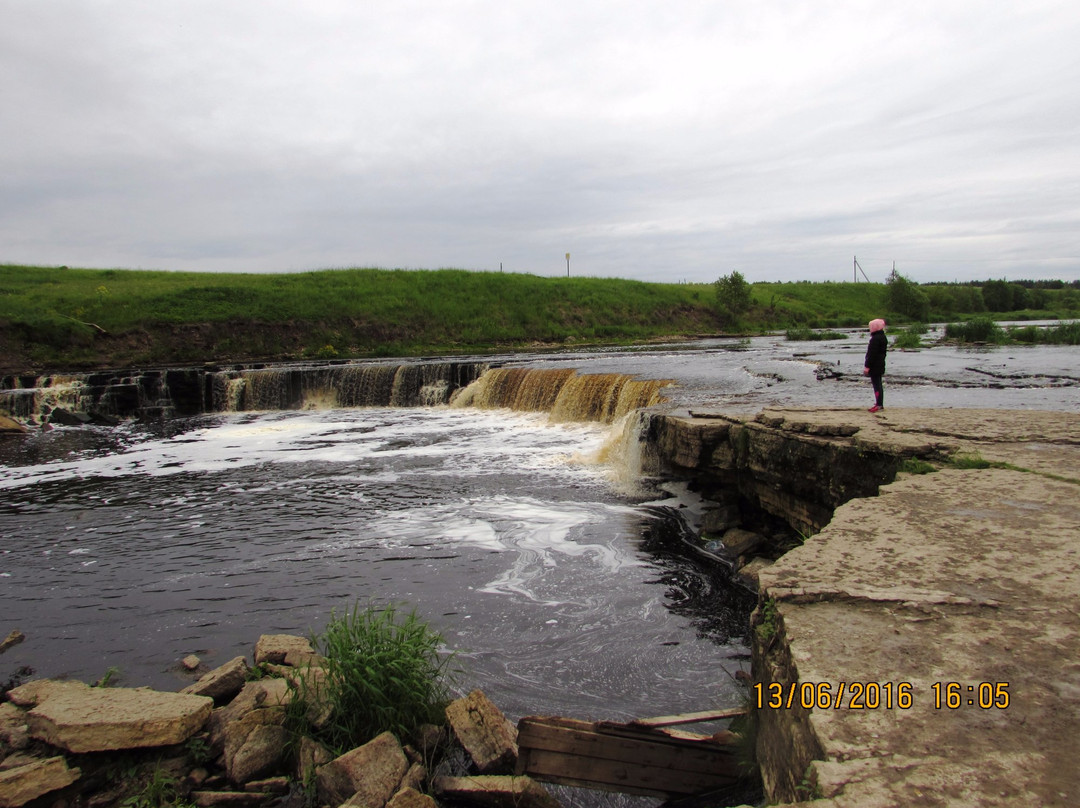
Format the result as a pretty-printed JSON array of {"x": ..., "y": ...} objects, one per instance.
[
  {"x": 981, "y": 329},
  {"x": 907, "y": 340},
  {"x": 804, "y": 334},
  {"x": 383, "y": 673}
]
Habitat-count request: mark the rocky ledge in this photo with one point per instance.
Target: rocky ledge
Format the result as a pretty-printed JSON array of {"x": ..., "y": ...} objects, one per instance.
[
  {"x": 921, "y": 646},
  {"x": 222, "y": 741}
]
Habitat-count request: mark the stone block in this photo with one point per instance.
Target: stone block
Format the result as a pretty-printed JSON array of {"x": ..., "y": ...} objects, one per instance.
[
  {"x": 222, "y": 683},
  {"x": 484, "y": 732},
  {"x": 95, "y": 719},
  {"x": 276, "y": 647},
  {"x": 255, "y": 745},
  {"x": 366, "y": 776},
  {"x": 495, "y": 791},
  {"x": 411, "y": 798},
  {"x": 21, "y": 784}
]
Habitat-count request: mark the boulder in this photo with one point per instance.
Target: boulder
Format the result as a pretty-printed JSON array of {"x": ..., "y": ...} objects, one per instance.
[
  {"x": 95, "y": 719},
  {"x": 14, "y": 637},
  {"x": 7, "y": 426},
  {"x": 255, "y": 745},
  {"x": 222, "y": 683},
  {"x": 415, "y": 777},
  {"x": 484, "y": 732},
  {"x": 190, "y": 662},
  {"x": 22, "y": 783},
  {"x": 739, "y": 542},
  {"x": 367, "y": 776},
  {"x": 68, "y": 418},
  {"x": 254, "y": 695},
  {"x": 14, "y": 734},
  {"x": 276, "y": 647},
  {"x": 310, "y": 757},
  {"x": 495, "y": 791},
  {"x": 411, "y": 798}
]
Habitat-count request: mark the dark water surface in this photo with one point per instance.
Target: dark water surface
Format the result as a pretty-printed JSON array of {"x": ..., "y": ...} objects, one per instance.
[{"x": 137, "y": 546}]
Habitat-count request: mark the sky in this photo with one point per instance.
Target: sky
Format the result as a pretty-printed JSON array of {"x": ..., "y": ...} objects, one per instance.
[{"x": 676, "y": 141}]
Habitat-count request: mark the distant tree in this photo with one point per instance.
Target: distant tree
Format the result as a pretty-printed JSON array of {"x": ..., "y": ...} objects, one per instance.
[
  {"x": 904, "y": 297},
  {"x": 732, "y": 295},
  {"x": 1005, "y": 296}
]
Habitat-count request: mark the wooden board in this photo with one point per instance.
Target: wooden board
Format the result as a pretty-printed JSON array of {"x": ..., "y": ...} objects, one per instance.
[{"x": 624, "y": 757}]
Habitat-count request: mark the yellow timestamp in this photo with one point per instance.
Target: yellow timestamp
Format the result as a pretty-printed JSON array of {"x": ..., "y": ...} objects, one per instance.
[
  {"x": 877, "y": 695},
  {"x": 985, "y": 695}
]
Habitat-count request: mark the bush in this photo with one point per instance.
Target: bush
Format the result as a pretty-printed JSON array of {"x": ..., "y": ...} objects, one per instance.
[
  {"x": 904, "y": 297},
  {"x": 383, "y": 673},
  {"x": 907, "y": 340},
  {"x": 981, "y": 329},
  {"x": 732, "y": 295},
  {"x": 804, "y": 334}
]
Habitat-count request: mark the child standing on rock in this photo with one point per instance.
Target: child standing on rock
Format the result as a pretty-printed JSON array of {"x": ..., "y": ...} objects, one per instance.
[{"x": 874, "y": 364}]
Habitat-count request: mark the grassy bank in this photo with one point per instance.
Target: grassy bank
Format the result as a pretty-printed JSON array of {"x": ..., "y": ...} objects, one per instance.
[{"x": 59, "y": 318}]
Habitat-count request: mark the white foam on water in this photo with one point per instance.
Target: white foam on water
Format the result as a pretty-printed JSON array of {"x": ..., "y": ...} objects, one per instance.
[{"x": 481, "y": 442}]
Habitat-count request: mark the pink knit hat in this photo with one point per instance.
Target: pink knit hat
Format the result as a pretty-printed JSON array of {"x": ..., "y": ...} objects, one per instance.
[{"x": 877, "y": 325}]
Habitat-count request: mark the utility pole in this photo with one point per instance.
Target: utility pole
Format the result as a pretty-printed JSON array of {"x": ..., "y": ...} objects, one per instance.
[
  {"x": 568, "y": 265},
  {"x": 855, "y": 272}
]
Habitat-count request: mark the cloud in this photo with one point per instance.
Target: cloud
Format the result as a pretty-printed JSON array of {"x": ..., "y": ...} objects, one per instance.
[{"x": 662, "y": 142}]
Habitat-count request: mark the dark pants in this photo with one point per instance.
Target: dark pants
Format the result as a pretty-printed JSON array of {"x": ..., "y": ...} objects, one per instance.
[{"x": 879, "y": 390}]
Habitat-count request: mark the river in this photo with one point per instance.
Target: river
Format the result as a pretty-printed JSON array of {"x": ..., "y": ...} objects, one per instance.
[{"x": 556, "y": 575}]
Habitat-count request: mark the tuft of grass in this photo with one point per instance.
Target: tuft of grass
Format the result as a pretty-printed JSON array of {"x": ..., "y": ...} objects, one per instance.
[
  {"x": 106, "y": 680},
  {"x": 158, "y": 790},
  {"x": 383, "y": 672},
  {"x": 805, "y": 334},
  {"x": 768, "y": 621}
]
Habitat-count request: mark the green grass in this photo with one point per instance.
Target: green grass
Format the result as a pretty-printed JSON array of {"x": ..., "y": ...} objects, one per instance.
[
  {"x": 55, "y": 318},
  {"x": 384, "y": 672}
]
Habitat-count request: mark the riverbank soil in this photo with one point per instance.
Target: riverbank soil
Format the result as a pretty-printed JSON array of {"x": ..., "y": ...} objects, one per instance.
[{"x": 957, "y": 595}]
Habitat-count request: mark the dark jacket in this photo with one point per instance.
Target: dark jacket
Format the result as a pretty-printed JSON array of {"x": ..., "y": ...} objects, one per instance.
[{"x": 875, "y": 352}]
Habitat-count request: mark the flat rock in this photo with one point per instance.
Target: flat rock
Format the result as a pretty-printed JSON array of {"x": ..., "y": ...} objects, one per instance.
[
  {"x": 96, "y": 719},
  {"x": 485, "y": 733},
  {"x": 496, "y": 791},
  {"x": 411, "y": 798},
  {"x": 276, "y": 648},
  {"x": 21, "y": 784},
  {"x": 222, "y": 683}
]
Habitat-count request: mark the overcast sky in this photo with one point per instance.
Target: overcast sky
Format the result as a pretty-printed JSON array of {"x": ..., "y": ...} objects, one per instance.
[{"x": 663, "y": 141}]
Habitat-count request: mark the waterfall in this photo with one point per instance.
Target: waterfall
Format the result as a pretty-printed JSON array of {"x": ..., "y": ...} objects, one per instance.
[{"x": 565, "y": 394}]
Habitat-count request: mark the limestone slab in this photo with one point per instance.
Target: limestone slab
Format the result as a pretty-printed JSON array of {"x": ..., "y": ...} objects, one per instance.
[
  {"x": 484, "y": 732},
  {"x": 22, "y": 784},
  {"x": 95, "y": 719}
]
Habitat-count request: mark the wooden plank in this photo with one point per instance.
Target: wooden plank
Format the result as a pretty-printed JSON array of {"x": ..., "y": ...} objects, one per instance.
[
  {"x": 647, "y": 750},
  {"x": 688, "y": 718},
  {"x": 616, "y": 757},
  {"x": 608, "y": 775}
]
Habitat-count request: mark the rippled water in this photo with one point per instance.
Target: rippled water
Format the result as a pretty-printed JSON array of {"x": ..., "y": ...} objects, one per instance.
[{"x": 137, "y": 546}]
